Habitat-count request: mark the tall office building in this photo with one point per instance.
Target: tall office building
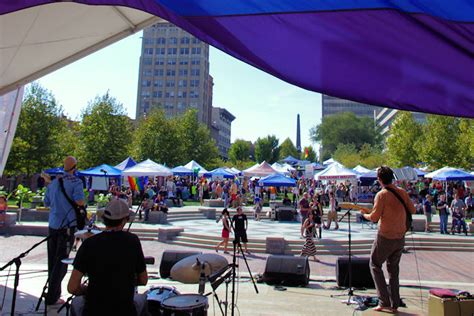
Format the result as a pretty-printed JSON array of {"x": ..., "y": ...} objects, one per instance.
[
  {"x": 220, "y": 130},
  {"x": 333, "y": 105},
  {"x": 385, "y": 117},
  {"x": 174, "y": 73}
]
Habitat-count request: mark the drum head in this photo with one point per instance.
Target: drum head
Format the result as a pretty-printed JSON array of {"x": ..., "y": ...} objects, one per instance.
[
  {"x": 185, "y": 302},
  {"x": 161, "y": 293}
]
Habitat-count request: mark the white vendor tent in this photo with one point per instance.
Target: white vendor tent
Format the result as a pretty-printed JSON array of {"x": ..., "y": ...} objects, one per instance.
[
  {"x": 360, "y": 169},
  {"x": 147, "y": 168},
  {"x": 436, "y": 172},
  {"x": 193, "y": 165},
  {"x": 335, "y": 172}
]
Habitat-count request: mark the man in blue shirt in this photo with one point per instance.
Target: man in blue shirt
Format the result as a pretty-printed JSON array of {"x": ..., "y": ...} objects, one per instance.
[{"x": 62, "y": 224}]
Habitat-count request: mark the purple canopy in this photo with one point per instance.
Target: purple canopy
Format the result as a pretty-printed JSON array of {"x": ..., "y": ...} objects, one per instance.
[{"x": 408, "y": 54}]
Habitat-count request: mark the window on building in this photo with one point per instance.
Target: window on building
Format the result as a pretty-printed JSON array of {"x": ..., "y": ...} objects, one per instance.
[
  {"x": 157, "y": 94},
  {"x": 159, "y": 72},
  {"x": 161, "y": 41},
  {"x": 184, "y": 40},
  {"x": 194, "y": 83},
  {"x": 159, "y": 61},
  {"x": 195, "y": 72},
  {"x": 147, "y": 73},
  {"x": 147, "y": 61},
  {"x": 171, "y": 61},
  {"x": 160, "y": 51},
  {"x": 172, "y": 51},
  {"x": 148, "y": 51},
  {"x": 193, "y": 94},
  {"x": 184, "y": 51},
  {"x": 173, "y": 40},
  {"x": 195, "y": 62},
  {"x": 183, "y": 62},
  {"x": 171, "y": 72},
  {"x": 196, "y": 41},
  {"x": 196, "y": 51},
  {"x": 170, "y": 83},
  {"x": 182, "y": 83},
  {"x": 181, "y": 94},
  {"x": 148, "y": 41},
  {"x": 158, "y": 83},
  {"x": 183, "y": 72},
  {"x": 146, "y": 83}
]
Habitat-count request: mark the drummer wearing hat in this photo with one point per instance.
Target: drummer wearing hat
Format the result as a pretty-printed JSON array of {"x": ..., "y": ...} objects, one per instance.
[{"x": 114, "y": 263}]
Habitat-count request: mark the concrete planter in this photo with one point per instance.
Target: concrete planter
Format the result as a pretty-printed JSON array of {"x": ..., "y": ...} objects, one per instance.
[
  {"x": 210, "y": 213},
  {"x": 214, "y": 203},
  {"x": 165, "y": 234},
  {"x": 157, "y": 218}
]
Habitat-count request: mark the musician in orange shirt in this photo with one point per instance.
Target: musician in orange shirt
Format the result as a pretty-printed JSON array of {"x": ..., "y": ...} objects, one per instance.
[{"x": 390, "y": 210}]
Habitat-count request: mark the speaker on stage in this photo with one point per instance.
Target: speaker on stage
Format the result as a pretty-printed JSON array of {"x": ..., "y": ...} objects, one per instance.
[
  {"x": 287, "y": 270},
  {"x": 361, "y": 276},
  {"x": 170, "y": 257}
]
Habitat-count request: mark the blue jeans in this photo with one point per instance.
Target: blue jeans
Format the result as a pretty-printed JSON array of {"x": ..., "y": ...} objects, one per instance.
[
  {"x": 443, "y": 224},
  {"x": 226, "y": 196}
]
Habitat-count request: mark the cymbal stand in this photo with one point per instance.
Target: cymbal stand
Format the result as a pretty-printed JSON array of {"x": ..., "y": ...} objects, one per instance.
[{"x": 238, "y": 244}]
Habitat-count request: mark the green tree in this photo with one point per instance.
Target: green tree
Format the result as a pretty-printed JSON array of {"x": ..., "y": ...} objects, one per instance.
[
  {"x": 440, "y": 147},
  {"x": 403, "y": 141},
  {"x": 465, "y": 144},
  {"x": 311, "y": 154},
  {"x": 344, "y": 128},
  {"x": 158, "y": 139},
  {"x": 348, "y": 155},
  {"x": 36, "y": 143},
  {"x": 196, "y": 140},
  {"x": 105, "y": 132},
  {"x": 287, "y": 148},
  {"x": 239, "y": 151},
  {"x": 371, "y": 156},
  {"x": 266, "y": 149}
]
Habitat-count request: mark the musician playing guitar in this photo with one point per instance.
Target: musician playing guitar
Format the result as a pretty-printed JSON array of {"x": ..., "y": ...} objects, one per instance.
[{"x": 391, "y": 205}]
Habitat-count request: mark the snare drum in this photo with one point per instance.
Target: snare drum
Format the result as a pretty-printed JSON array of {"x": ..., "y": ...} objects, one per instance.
[
  {"x": 156, "y": 295},
  {"x": 185, "y": 305}
]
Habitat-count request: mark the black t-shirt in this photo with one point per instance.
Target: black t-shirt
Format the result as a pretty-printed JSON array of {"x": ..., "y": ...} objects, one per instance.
[
  {"x": 111, "y": 260},
  {"x": 239, "y": 222},
  {"x": 441, "y": 208}
]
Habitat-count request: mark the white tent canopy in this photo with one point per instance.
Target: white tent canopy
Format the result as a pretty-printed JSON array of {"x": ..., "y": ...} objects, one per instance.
[
  {"x": 147, "y": 168},
  {"x": 335, "y": 172},
  {"x": 58, "y": 34},
  {"x": 436, "y": 172},
  {"x": 193, "y": 165},
  {"x": 360, "y": 169}
]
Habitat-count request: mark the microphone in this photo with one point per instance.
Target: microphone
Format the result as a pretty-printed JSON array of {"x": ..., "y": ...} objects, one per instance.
[
  {"x": 103, "y": 170},
  {"x": 196, "y": 265}
]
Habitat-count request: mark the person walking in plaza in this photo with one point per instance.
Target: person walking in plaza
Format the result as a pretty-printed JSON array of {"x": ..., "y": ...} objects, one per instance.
[
  {"x": 391, "y": 206},
  {"x": 443, "y": 211},
  {"x": 332, "y": 213},
  {"x": 304, "y": 207},
  {"x": 226, "y": 230},
  {"x": 428, "y": 211},
  {"x": 3, "y": 209},
  {"x": 307, "y": 231},
  {"x": 239, "y": 225},
  {"x": 114, "y": 263},
  {"x": 62, "y": 225}
]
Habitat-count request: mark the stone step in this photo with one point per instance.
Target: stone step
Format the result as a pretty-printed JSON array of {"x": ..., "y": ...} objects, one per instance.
[{"x": 215, "y": 241}]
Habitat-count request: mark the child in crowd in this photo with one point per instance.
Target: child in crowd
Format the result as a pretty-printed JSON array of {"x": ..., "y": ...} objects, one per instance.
[
  {"x": 458, "y": 222},
  {"x": 257, "y": 207}
]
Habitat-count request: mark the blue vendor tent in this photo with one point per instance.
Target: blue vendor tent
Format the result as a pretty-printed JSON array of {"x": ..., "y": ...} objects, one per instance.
[
  {"x": 101, "y": 171},
  {"x": 277, "y": 180}
]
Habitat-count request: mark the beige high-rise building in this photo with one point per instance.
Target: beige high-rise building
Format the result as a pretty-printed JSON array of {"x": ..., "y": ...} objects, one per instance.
[{"x": 174, "y": 73}]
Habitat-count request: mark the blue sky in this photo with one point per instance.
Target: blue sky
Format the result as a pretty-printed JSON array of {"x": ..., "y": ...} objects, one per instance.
[{"x": 262, "y": 104}]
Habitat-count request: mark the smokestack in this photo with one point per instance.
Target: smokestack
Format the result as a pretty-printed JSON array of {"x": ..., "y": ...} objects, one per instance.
[{"x": 298, "y": 134}]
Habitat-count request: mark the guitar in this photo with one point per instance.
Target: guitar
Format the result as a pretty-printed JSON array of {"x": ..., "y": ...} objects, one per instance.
[{"x": 349, "y": 205}]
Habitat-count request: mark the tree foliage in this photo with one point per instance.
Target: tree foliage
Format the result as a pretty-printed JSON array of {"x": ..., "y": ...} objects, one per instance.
[
  {"x": 465, "y": 144},
  {"x": 403, "y": 141},
  {"x": 344, "y": 128},
  {"x": 266, "y": 149},
  {"x": 105, "y": 132},
  {"x": 239, "y": 150},
  {"x": 36, "y": 143},
  {"x": 157, "y": 139},
  {"x": 195, "y": 139},
  {"x": 368, "y": 156},
  {"x": 174, "y": 141},
  {"x": 287, "y": 148},
  {"x": 440, "y": 146}
]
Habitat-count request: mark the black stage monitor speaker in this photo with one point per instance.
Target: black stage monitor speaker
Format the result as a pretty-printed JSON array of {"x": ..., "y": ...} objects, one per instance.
[
  {"x": 285, "y": 214},
  {"x": 170, "y": 257},
  {"x": 361, "y": 277},
  {"x": 287, "y": 270}
]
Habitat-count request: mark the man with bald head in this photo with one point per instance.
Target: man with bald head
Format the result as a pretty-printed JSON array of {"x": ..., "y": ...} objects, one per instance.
[{"x": 62, "y": 224}]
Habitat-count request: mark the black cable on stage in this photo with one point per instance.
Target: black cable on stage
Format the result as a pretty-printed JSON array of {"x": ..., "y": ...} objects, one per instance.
[{"x": 5, "y": 290}]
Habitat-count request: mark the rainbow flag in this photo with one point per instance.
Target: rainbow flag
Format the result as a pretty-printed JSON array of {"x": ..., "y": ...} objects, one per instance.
[
  {"x": 140, "y": 183},
  {"x": 306, "y": 152},
  {"x": 133, "y": 183}
]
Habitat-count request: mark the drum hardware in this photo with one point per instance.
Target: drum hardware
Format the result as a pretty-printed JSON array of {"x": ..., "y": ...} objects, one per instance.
[
  {"x": 185, "y": 304},
  {"x": 67, "y": 260},
  {"x": 157, "y": 295}
]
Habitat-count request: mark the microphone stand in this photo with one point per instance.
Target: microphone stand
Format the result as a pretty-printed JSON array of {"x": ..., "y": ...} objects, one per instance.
[
  {"x": 237, "y": 244},
  {"x": 17, "y": 262},
  {"x": 350, "y": 291},
  {"x": 136, "y": 212}
]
